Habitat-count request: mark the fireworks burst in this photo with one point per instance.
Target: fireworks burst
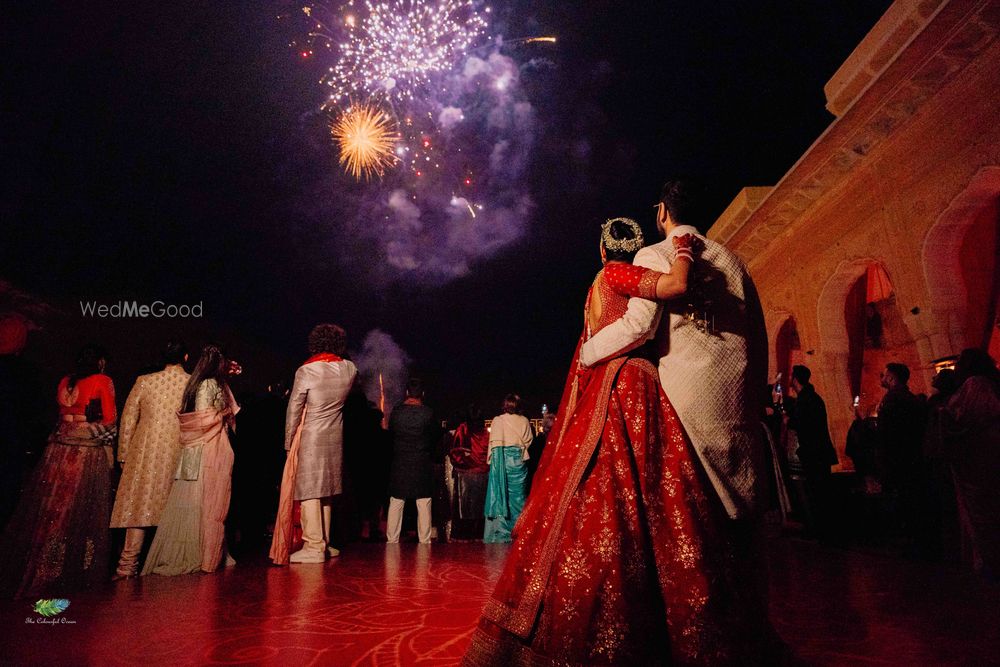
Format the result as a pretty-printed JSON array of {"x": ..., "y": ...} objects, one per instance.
[
  {"x": 366, "y": 136},
  {"x": 398, "y": 46},
  {"x": 445, "y": 124}
]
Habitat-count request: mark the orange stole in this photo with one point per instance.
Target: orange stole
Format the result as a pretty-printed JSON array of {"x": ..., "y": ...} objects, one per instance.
[{"x": 288, "y": 525}]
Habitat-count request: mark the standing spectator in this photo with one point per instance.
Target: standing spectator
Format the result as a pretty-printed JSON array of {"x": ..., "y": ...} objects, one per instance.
[
  {"x": 414, "y": 436},
  {"x": 771, "y": 423},
  {"x": 191, "y": 533},
  {"x": 862, "y": 449},
  {"x": 938, "y": 509},
  {"x": 57, "y": 538},
  {"x": 901, "y": 417},
  {"x": 366, "y": 461},
  {"x": 314, "y": 440},
  {"x": 148, "y": 448},
  {"x": 815, "y": 451},
  {"x": 538, "y": 446},
  {"x": 441, "y": 471},
  {"x": 468, "y": 457},
  {"x": 972, "y": 443},
  {"x": 510, "y": 437}
]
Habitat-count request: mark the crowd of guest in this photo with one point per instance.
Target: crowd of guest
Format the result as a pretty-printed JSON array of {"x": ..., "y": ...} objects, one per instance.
[
  {"x": 182, "y": 501},
  {"x": 925, "y": 468},
  {"x": 179, "y": 489}
]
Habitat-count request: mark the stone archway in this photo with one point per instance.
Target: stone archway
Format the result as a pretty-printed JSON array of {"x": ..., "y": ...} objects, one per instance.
[
  {"x": 786, "y": 349},
  {"x": 960, "y": 261},
  {"x": 852, "y": 356}
]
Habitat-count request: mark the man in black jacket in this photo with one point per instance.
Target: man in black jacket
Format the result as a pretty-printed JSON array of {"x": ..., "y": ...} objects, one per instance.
[
  {"x": 414, "y": 433},
  {"x": 901, "y": 420},
  {"x": 816, "y": 452}
]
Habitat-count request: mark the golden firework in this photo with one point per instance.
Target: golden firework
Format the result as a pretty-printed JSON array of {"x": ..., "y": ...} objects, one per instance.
[{"x": 366, "y": 136}]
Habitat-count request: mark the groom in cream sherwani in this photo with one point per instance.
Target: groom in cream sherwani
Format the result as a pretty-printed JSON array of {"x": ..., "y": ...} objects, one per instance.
[
  {"x": 712, "y": 346},
  {"x": 712, "y": 349}
]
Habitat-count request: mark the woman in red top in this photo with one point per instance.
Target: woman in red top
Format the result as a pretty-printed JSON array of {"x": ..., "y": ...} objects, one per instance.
[
  {"x": 57, "y": 540},
  {"x": 469, "y": 469},
  {"x": 618, "y": 558}
]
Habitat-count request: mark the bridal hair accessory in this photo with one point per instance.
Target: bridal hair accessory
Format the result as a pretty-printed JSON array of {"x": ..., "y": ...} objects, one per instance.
[{"x": 622, "y": 245}]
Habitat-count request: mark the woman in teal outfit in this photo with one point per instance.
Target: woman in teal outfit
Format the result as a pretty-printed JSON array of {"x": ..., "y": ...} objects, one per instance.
[{"x": 510, "y": 436}]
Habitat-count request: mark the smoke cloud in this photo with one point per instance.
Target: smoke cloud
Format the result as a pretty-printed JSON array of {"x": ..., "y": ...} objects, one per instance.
[{"x": 381, "y": 355}]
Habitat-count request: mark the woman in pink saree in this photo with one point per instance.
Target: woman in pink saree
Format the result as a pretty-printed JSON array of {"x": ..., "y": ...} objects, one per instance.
[{"x": 191, "y": 534}]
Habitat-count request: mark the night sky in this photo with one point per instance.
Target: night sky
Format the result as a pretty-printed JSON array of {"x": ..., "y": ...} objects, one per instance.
[{"x": 170, "y": 150}]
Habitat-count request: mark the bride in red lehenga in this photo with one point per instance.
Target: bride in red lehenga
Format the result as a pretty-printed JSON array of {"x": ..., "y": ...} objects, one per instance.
[{"x": 619, "y": 557}]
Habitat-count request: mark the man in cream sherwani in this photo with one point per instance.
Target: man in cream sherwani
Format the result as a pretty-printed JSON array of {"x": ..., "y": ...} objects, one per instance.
[{"x": 712, "y": 346}]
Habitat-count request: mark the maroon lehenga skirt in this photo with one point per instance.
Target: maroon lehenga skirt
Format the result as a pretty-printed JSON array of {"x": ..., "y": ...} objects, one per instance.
[
  {"x": 620, "y": 556},
  {"x": 57, "y": 540}
]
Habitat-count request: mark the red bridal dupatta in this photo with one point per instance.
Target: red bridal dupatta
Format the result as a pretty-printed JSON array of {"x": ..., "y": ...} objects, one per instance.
[
  {"x": 209, "y": 428},
  {"x": 286, "y": 535},
  {"x": 578, "y": 428}
]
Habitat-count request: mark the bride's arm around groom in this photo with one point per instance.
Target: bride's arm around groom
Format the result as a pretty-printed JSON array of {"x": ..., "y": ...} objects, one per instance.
[
  {"x": 639, "y": 323},
  {"x": 712, "y": 361}
]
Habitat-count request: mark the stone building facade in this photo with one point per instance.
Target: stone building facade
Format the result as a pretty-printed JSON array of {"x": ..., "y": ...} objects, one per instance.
[{"x": 880, "y": 243}]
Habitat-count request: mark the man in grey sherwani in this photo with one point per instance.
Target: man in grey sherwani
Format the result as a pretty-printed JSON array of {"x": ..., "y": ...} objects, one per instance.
[{"x": 314, "y": 424}]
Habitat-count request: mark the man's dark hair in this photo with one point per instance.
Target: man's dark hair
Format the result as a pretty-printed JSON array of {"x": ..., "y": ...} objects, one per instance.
[
  {"x": 802, "y": 374},
  {"x": 901, "y": 372},
  {"x": 685, "y": 201},
  {"x": 327, "y": 338},
  {"x": 946, "y": 381},
  {"x": 415, "y": 388},
  {"x": 173, "y": 352},
  {"x": 620, "y": 231}
]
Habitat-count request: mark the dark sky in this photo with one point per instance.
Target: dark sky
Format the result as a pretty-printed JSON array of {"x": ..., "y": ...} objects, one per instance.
[{"x": 156, "y": 150}]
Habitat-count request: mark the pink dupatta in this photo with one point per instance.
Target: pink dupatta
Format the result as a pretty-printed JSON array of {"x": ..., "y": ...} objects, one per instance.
[{"x": 208, "y": 428}]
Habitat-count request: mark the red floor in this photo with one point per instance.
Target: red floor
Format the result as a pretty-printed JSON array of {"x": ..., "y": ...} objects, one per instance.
[{"x": 415, "y": 605}]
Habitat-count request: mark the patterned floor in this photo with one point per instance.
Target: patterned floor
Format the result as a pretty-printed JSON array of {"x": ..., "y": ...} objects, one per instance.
[{"x": 416, "y": 605}]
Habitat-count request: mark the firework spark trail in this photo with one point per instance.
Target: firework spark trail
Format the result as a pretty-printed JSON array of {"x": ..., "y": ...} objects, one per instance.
[
  {"x": 397, "y": 48},
  {"x": 366, "y": 137},
  {"x": 382, "y": 369},
  {"x": 530, "y": 40},
  {"x": 381, "y": 401}
]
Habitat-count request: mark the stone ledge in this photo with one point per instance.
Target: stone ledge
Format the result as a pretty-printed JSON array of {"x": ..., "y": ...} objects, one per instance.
[
  {"x": 960, "y": 31},
  {"x": 901, "y": 22},
  {"x": 738, "y": 212}
]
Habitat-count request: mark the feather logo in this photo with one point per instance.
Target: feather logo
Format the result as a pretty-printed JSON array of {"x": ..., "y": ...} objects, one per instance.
[{"x": 51, "y": 607}]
